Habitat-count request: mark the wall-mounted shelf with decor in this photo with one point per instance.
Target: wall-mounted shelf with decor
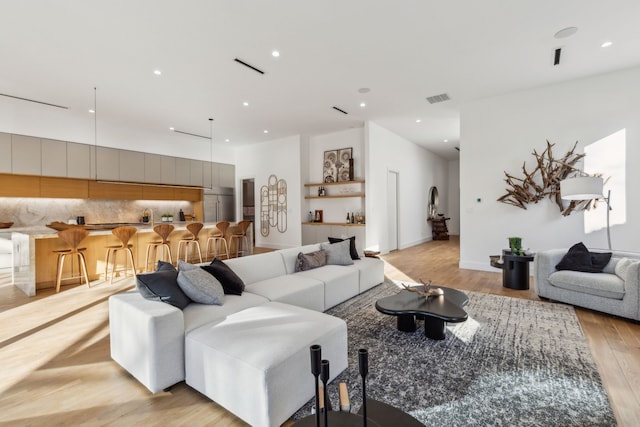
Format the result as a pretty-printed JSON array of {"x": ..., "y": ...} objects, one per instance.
[
  {"x": 334, "y": 223},
  {"x": 326, "y": 184},
  {"x": 336, "y": 196}
]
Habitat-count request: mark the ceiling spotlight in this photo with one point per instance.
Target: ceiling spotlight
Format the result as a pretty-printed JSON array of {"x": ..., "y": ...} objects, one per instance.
[
  {"x": 418, "y": 120},
  {"x": 227, "y": 140},
  {"x": 446, "y": 140},
  {"x": 566, "y": 32},
  {"x": 362, "y": 104},
  {"x": 364, "y": 90},
  {"x": 92, "y": 111},
  {"x": 172, "y": 129},
  {"x": 245, "y": 103},
  {"x": 265, "y": 131},
  {"x": 157, "y": 72},
  {"x": 606, "y": 44},
  {"x": 275, "y": 54}
]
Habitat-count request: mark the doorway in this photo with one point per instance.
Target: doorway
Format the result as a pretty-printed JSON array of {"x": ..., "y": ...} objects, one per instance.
[
  {"x": 392, "y": 209},
  {"x": 249, "y": 204}
]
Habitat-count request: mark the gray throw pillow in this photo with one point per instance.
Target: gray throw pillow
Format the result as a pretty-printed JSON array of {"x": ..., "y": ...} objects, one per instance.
[
  {"x": 623, "y": 266},
  {"x": 185, "y": 266},
  {"x": 311, "y": 260},
  {"x": 337, "y": 253},
  {"x": 201, "y": 286}
]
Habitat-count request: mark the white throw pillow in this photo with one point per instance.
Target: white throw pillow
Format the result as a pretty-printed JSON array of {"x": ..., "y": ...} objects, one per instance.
[
  {"x": 338, "y": 253},
  {"x": 201, "y": 286},
  {"x": 623, "y": 266}
]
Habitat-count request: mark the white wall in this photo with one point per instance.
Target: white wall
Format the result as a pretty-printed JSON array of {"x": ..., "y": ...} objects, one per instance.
[
  {"x": 453, "y": 210},
  {"x": 259, "y": 161},
  {"x": 500, "y": 133},
  {"x": 418, "y": 170}
]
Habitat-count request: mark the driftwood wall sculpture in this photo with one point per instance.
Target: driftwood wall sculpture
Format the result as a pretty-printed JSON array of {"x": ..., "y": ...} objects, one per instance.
[{"x": 544, "y": 181}]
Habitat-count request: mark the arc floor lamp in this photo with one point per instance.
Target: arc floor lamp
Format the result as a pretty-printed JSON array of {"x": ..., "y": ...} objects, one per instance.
[{"x": 586, "y": 188}]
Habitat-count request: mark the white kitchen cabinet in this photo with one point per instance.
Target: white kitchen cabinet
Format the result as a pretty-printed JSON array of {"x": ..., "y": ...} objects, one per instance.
[
  {"x": 152, "y": 168},
  {"x": 54, "y": 157},
  {"x": 25, "y": 155},
  {"x": 108, "y": 163},
  {"x": 183, "y": 175},
  {"x": 5, "y": 149},
  {"x": 167, "y": 170},
  {"x": 227, "y": 175},
  {"x": 131, "y": 166},
  {"x": 80, "y": 160},
  {"x": 195, "y": 172}
]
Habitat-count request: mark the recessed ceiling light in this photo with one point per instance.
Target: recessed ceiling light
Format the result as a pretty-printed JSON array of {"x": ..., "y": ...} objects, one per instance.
[
  {"x": 265, "y": 131},
  {"x": 227, "y": 140},
  {"x": 275, "y": 54},
  {"x": 364, "y": 90},
  {"x": 157, "y": 72},
  {"x": 418, "y": 120},
  {"x": 566, "y": 32},
  {"x": 172, "y": 128},
  {"x": 245, "y": 103},
  {"x": 606, "y": 44},
  {"x": 362, "y": 104},
  {"x": 92, "y": 111},
  {"x": 446, "y": 140}
]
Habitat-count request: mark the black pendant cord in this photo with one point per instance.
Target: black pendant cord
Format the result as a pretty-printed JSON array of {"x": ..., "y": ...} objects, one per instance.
[
  {"x": 316, "y": 357},
  {"x": 325, "y": 380},
  {"x": 363, "y": 364}
]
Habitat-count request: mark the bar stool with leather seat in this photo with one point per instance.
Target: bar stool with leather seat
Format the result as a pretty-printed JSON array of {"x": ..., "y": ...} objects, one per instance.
[
  {"x": 124, "y": 234},
  {"x": 217, "y": 238},
  {"x": 191, "y": 239},
  {"x": 72, "y": 237},
  {"x": 162, "y": 230},
  {"x": 239, "y": 234}
]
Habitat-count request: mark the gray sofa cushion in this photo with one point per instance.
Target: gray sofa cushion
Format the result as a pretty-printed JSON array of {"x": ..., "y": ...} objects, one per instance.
[
  {"x": 337, "y": 253},
  {"x": 598, "y": 284},
  {"x": 311, "y": 260},
  {"x": 201, "y": 286}
]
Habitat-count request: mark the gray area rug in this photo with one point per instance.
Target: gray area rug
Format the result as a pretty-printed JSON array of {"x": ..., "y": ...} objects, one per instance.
[{"x": 514, "y": 362}]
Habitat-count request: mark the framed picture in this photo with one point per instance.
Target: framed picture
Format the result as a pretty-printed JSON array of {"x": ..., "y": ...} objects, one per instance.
[
  {"x": 345, "y": 164},
  {"x": 330, "y": 166}
]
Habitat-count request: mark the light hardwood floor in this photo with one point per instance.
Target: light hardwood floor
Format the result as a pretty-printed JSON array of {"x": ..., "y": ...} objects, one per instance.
[{"x": 56, "y": 369}]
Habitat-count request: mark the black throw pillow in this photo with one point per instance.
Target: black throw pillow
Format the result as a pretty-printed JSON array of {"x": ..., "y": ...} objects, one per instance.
[
  {"x": 162, "y": 286},
  {"x": 165, "y": 266},
  {"x": 599, "y": 260},
  {"x": 352, "y": 246},
  {"x": 578, "y": 258},
  {"x": 230, "y": 281}
]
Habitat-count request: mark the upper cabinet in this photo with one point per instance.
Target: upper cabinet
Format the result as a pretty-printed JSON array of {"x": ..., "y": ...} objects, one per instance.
[
  {"x": 108, "y": 162},
  {"x": 152, "y": 168},
  {"x": 25, "y": 155},
  {"x": 54, "y": 158},
  {"x": 80, "y": 160},
  {"x": 131, "y": 166},
  {"x": 5, "y": 148}
]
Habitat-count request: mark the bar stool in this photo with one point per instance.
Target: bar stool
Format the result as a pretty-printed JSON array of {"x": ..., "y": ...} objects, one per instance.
[
  {"x": 217, "y": 238},
  {"x": 162, "y": 230},
  {"x": 72, "y": 237},
  {"x": 124, "y": 234},
  {"x": 239, "y": 233},
  {"x": 191, "y": 239}
]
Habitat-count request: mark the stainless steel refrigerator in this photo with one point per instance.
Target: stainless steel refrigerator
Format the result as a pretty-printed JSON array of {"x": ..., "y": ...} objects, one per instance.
[{"x": 219, "y": 205}]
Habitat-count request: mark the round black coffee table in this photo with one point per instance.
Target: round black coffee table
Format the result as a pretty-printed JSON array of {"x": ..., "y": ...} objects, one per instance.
[
  {"x": 378, "y": 414},
  {"x": 436, "y": 310}
]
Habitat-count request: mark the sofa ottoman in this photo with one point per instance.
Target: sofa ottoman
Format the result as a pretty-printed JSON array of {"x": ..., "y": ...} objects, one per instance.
[{"x": 256, "y": 362}]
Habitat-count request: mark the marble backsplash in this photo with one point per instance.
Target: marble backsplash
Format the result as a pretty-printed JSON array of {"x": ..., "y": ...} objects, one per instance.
[{"x": 26, "y": 212}]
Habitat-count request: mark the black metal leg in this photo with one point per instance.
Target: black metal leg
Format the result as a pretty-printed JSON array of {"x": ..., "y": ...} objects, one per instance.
[
  {"x": 406, "y": 323},
  {"x": 434, "y": 328}
]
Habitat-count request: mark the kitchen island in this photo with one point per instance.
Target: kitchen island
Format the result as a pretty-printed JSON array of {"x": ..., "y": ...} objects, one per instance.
[{"x": 34, "y": 260}]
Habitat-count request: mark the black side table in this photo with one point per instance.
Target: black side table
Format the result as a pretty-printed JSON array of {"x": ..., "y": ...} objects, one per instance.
[{"x": 515, "y": 269}]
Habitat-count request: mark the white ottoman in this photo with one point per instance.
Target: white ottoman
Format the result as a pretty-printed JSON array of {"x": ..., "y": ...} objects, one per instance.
[{"x": 256, "y": 362}]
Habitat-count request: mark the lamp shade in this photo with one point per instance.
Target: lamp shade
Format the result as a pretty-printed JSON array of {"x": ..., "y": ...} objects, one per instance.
[{"x": 581, "y": 188}]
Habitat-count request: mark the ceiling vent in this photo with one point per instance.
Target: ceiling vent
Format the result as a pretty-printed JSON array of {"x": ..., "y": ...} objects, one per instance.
[
  {"x": 191, "y": 134},
  {"x": 438, "y": 98},
  {"x": 240, "y": 61},
  {"x": 556, "y": 56},
  {"x": 33, "y": 100},
  {"x": 338, "y": 109}
]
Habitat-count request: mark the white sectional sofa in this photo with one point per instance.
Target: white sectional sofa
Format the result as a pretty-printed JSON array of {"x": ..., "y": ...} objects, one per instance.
[{"x": 148, "y": 337}]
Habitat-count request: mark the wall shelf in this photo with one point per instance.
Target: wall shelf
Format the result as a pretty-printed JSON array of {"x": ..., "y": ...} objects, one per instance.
[
  {"x": 333, "y": 223},
  {"x": 338, "y": 196},
  {"x": 326, "y": 184}
]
